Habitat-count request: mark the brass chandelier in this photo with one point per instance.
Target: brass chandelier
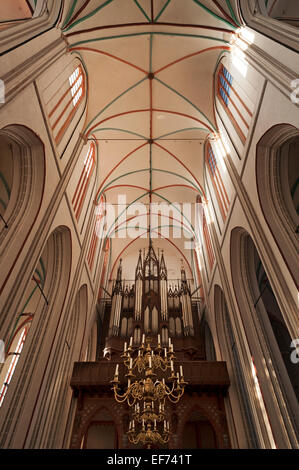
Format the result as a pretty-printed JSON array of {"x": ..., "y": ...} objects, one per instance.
[{"x": 146, "y": 395}]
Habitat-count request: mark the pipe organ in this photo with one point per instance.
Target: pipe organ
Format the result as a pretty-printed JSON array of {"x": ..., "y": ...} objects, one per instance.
[{"x": 151, "y": 305}]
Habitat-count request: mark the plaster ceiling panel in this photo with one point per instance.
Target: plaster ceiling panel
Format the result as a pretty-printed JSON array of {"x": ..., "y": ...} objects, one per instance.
[
  {"x": 111, "y": 154},
  {"x": 133, "y": 49},
  {"x": 175, "y": 45},
  {"x": 99, "y": 13},
  {"x": 170, "y": 100},
  {"x": 193, "y": 80},
  {"x": 169, "y": 120},
  {"x": 129, "y": 120},
  {"x": 192, "y": 13}
]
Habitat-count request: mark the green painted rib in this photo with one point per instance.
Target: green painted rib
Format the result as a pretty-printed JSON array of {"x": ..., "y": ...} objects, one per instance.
[
  {"x": 70, "y": 13},
  {"x": 119, "y": 215},
  {"x": 162, "y": 9},
  {"x": 39, "y": 275},
  {"x": 43, "y": 268},
  {"x": 181, "y": 130},
  {"x": 18, "y": 316},
  {"x": 151, "y": 54},
  {"x": 294, "y": 188},
  {"x": 114, "y": 100},
  {"x": 5, "y": 184},
  {"x": 157, "y": 33},
  {"x": 232, "y": 12},
  {"x": 120, "y": 130},
  {"x": 214, "y": 14},
  {"x": 133, "y": 202},
  {"x": 180, "y": 212},
  {"x": 142, "y": 11},
  {"x": 147, "y": 169},
  {"x": 90, "y": 15},
  {"x": 151, "y": 229},
  {"x": 186, "y": 99}
]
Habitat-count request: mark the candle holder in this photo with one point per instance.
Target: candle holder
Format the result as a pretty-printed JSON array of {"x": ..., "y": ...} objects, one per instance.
[{"x": 147, "y": 393}]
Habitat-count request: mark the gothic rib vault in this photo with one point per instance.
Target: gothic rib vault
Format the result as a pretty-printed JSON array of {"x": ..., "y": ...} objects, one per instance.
[{"x": 150, "y": 67}]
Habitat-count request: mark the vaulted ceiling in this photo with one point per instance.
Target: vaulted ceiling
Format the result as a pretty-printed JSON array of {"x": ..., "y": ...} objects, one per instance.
[{"x": 150, "y": 67}]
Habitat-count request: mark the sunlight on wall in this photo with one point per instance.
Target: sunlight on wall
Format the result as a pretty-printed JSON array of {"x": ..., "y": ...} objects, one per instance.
[
  {"x": 240, "y": 41},
  {"x": 262, "y": 405}
]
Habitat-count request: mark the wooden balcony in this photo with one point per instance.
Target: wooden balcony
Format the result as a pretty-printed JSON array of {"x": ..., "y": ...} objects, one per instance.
[{"x": 200, "y": 375}]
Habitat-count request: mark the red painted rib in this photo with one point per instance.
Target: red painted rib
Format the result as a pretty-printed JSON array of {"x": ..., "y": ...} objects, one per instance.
[
  {"x": 192, "y": 55},
  {"x": 98, "y": 51}
]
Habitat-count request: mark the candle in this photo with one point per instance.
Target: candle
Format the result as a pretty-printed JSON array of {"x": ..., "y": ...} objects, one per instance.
[
  {"x": 131, "y": 341},
  {"x": 164, "y": 425},
  {"x": 130, "y": 425},
  {"x": 159, "y": 407},
  {"x": 165, "y": 352},
  {"x": 168, "y": 425},
  {"x": 143, "y": 339},
  {"x": 163, "y": 381},
  {"x": 150, "y": 362},
  {"x": 155, "y": 423},
  {"x": 159, "y": 340},
  {"x": 139, "y": 352},
  {"x": 131, "y": 363},
  {"x": 129, "y": 383},
  {"x": 181, "y": 371},
  {"x": 116, "y": 370},
  {"x": 152, "y": 405},
  {"x": 171, "y": 365},
  {"x": 133, "y": 425},
  {"x": 169, "y": 342},
  {"x": 178, "y": 376},
  {"x": 125, "y": 347}
]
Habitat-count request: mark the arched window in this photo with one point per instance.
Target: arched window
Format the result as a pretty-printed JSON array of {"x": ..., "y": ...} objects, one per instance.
[
  {"x": 13, "y": 356},
  {"x": 217, "y": 181},
  {"x": 234, "y": 102},
  {"x": 278, "y": 188},
  {"x": 66, "y": 101},
  {"x": 96, "y": 233},
  {"x": 79, "y": 195}
]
